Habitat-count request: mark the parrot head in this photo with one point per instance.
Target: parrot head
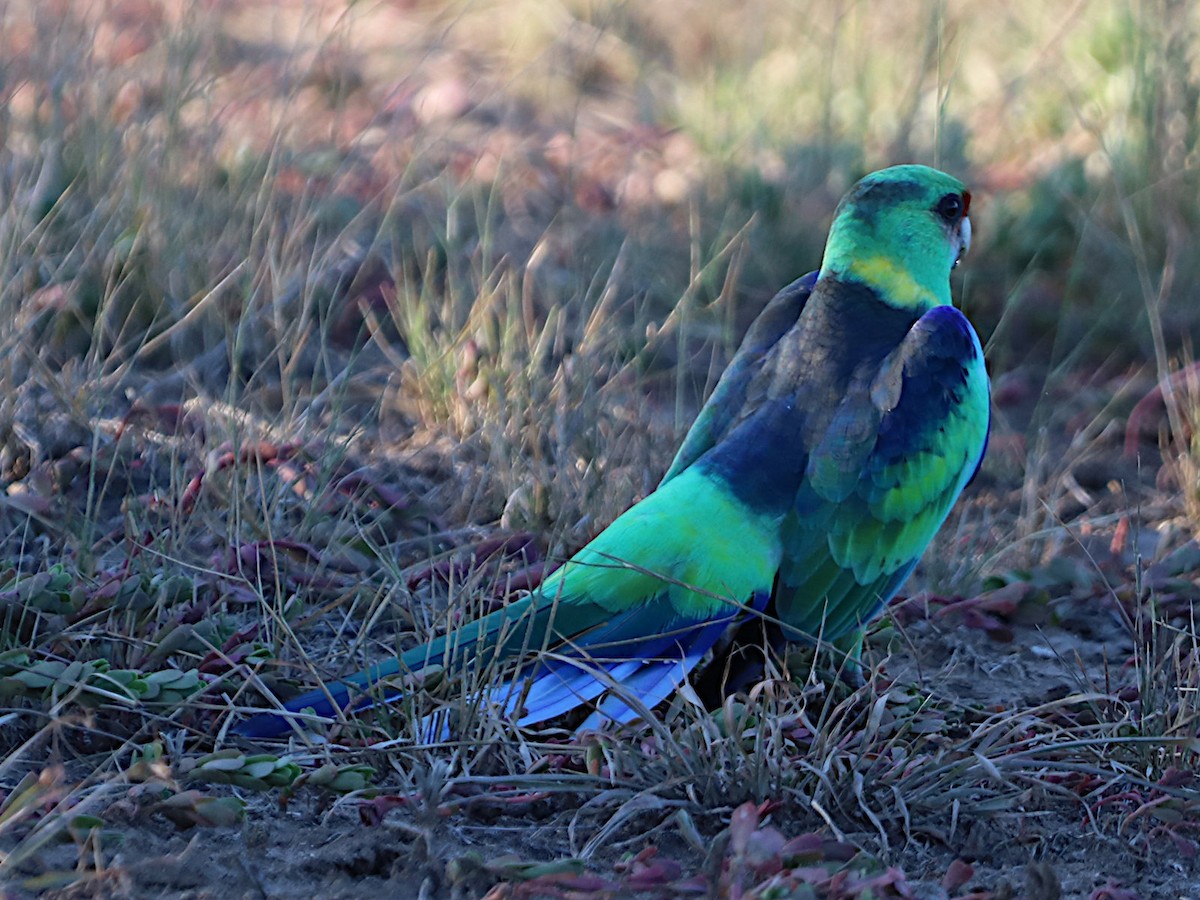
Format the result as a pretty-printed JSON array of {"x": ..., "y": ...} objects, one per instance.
[{"x": 901, "y": 231}]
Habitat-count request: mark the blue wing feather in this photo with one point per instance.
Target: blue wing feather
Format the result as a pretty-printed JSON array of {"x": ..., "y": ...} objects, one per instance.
[
  {"x": 658, "y": 678},
  {"x": 882, "y": 478},
  {"x": 741, "y": 387}
]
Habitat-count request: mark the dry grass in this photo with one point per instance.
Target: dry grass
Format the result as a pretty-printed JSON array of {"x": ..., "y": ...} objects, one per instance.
[{"x": 324, "y": 325}]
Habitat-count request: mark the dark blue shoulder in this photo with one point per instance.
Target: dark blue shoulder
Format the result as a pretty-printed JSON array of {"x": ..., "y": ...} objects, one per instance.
[{"x": 942, "y": 332}]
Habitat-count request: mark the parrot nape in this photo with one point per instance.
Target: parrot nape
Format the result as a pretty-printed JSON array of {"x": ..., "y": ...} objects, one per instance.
[{"x": 841, "y": 433}]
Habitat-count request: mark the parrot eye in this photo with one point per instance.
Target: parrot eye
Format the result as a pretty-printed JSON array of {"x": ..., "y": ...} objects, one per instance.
[{"x": 952, "y": 207}]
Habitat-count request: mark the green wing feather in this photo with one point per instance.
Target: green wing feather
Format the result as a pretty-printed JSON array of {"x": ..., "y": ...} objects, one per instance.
[{"x": 883, "y": 477}]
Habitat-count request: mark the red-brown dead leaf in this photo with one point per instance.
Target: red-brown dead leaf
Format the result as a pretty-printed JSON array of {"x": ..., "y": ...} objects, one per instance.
[{"x": 959, "y": 873}]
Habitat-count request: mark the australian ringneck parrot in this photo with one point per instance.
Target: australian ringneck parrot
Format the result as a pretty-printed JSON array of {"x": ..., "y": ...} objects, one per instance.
[{"x": 828, "y": 456}]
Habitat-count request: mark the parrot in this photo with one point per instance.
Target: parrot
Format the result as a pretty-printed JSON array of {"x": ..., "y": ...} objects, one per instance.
[{"x": 830, "y": 452}]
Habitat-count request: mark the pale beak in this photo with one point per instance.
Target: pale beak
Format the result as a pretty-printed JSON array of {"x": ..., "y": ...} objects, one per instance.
[{"x": 964, "y": 238}]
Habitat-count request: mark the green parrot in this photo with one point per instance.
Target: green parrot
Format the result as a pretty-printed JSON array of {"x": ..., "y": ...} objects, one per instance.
[{"x": 828, "y": 456}]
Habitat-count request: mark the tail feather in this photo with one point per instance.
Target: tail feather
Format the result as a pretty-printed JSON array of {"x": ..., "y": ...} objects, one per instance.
[
  {"x": 502, "y": 633},
  {"x": 552, "y": 687},
  {"x": 562, "y": 686},
  {"x": 656, "y": 679},
  {"x": 566, "y": 683},
  {"x": 653, "y": 680}
]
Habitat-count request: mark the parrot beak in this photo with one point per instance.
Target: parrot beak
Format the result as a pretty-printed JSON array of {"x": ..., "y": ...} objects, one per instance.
[{"x": 964, "y": 239}]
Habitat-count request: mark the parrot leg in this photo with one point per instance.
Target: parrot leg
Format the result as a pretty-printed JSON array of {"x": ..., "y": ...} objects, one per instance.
[
  {"x": 743, "y": 662},
  {"x": 847, "y": 652}
]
